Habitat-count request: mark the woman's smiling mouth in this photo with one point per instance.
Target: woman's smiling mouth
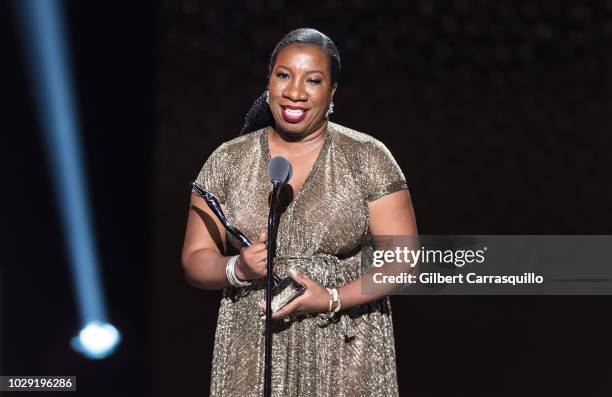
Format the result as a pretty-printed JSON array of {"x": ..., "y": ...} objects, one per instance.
[{"x": 293, "y": 114}]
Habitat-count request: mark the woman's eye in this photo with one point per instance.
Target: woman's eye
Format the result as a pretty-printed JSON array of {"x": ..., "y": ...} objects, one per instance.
[
  {"x": 282, "y": 75},
  {"x": 314, "y": 81}
]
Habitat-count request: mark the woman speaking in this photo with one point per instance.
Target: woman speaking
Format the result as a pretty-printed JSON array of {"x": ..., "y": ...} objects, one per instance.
[{"x": 345, "y": 185}]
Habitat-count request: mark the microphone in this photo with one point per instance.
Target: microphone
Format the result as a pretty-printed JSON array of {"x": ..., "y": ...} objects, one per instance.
[{"x": 279, "y": 170}]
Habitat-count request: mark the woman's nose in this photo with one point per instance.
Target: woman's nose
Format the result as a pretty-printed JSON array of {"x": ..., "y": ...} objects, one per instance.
[{"x": 295, "y": 91}]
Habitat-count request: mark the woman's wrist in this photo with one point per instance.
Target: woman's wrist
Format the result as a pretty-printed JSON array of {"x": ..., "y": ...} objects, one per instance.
[
  {"x": 230, "y": 272},
  {"x": 333, "y": 304},
  {"x": 351, "y": 294},
  {"x": 238, "y": 270}
]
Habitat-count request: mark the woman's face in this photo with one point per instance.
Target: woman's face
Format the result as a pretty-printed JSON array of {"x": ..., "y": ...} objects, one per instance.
[{"x": 300, "y": 89}]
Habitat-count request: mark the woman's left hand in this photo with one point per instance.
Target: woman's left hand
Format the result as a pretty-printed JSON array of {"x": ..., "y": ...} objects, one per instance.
[{"x": 315, "y": 299}]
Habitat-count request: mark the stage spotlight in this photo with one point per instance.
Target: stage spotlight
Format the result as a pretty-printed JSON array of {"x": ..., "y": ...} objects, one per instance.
[
  {"x": 47, "y": 56},
  {"x": 96, "y": 340}
]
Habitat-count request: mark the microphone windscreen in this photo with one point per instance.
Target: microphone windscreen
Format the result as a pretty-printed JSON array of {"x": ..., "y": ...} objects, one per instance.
[{"x": 279, "y": 169}]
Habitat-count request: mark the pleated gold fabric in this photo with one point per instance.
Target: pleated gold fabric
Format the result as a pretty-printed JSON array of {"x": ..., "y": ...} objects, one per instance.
[{"x": 319, "y": 236}]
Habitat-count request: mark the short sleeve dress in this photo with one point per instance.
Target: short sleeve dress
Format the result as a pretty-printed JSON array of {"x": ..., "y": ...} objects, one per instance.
[{"x": 319, "y": 235}]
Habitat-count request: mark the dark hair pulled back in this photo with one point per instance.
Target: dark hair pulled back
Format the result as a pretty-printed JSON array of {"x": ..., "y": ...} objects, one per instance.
[{"x": 259, "y": 115}]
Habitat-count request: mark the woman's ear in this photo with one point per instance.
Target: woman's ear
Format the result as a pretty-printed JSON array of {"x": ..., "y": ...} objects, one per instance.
[{"x": 333, "y": 90}]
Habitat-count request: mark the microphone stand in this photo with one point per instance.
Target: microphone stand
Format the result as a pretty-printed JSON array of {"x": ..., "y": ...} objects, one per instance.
[{"x": 272, "y": 231}]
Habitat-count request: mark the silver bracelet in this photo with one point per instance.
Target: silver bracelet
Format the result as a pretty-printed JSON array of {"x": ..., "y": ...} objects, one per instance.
[{"x": 230, "y": 273}]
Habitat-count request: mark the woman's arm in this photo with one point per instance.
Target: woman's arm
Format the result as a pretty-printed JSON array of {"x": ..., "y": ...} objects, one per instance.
[
  {"x": 390, "y": 215},
  {"x": 205, "y": 240},
  {"x": 202, "y": 258}
]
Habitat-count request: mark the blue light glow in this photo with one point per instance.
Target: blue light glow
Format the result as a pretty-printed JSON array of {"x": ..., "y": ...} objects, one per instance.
[
  {"x": 44, "y": 42},
  {"x": 96, "y": 340}
]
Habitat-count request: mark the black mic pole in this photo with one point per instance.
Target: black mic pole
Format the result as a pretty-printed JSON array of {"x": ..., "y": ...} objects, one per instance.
[
  {"x": 272, "y": 229},
  {"x": 279, "y": 173}
]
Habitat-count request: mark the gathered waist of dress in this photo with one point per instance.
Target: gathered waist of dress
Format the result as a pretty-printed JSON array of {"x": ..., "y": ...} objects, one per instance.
[
  {"x": 327, "y": 270},
  {"x": 333, "y": 272}
]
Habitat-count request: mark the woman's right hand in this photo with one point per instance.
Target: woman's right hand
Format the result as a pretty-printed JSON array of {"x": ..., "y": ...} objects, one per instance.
[{"x": 252, "y": 262}]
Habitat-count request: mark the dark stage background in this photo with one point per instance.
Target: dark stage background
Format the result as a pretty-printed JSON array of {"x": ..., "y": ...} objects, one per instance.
[
  {"x": 113, "y": 48},
  {"x": 498, "y": 113}
]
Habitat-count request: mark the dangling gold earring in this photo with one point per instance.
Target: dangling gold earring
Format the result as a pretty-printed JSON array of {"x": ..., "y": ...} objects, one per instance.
[{"x": 330, "y": 109}]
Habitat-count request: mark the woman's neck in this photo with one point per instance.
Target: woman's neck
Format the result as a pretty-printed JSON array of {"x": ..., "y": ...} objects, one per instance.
[{"x": 297, "y": 145}]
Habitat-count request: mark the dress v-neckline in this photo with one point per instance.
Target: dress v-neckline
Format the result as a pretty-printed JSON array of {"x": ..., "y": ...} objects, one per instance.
[{"x": 315, "y": 166}]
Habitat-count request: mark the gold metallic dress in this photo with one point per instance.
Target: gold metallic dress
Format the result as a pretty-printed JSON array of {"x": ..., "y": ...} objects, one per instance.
[{"x": 319, "y": 236}]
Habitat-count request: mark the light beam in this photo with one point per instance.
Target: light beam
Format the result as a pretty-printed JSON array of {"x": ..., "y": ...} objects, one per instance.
[{"x": 41, "y": 23}]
